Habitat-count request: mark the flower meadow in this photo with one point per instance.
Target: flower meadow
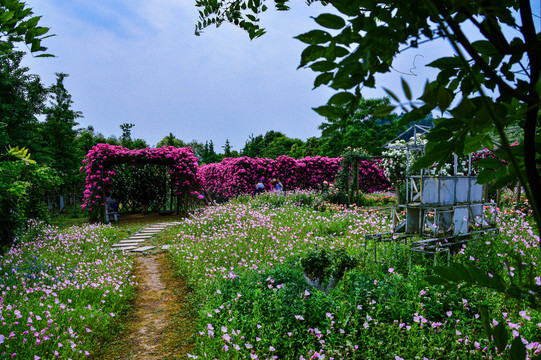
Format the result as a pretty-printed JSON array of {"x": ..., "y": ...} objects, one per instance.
[
  {"x": 61, "y": 291},
  {"x": 242, "y": 260}
]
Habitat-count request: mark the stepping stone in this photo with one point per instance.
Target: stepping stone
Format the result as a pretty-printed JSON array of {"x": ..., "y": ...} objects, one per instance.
[
  {"x": 127, "y": 248},
  {"x": 144, "y": 248},
  {"x": 166, "y": 247},
  {"x": 148, "y": 236},
  {"x": 132, "y": 241},
  {"x": 126, "y": 244},
  {"x": 149, "y": 231},
  {"x": 141, "y": 235}
]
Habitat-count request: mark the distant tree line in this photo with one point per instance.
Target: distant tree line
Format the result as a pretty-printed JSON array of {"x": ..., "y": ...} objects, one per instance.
[{"x": 364, "y": 129}]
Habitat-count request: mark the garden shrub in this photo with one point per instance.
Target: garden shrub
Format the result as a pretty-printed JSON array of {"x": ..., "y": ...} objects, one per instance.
[
  {"x": 234, "y": 176},
  {"x": 22, "y": 186}
]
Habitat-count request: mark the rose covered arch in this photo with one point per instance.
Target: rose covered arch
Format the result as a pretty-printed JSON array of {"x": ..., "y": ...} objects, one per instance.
[{"x": 101, "y": 159}]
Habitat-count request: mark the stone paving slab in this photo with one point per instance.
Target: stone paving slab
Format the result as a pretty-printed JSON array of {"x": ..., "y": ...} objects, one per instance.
[
  {"x": 132, "y": 242},
  {"x": 144, "y": 248},
  {"x": 127, "y": 248},
  {"x": 126, "y": 244}
]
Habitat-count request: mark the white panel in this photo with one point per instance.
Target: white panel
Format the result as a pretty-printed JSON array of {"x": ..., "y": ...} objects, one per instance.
[
  {"x": 460, "y": 220},
  {"x": 447, "y": 191},
  {"x": 476, "y": 190},
  {"x": 477, "y": 211},
  {"x": 444, "y": 220},
  {"x": 462, "y": 189},
  {"x": 412, "y": 220},
  {"x": 430, "y": 190}
]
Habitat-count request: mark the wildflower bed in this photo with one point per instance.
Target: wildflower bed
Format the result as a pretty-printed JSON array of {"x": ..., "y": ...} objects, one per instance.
[
  {"x": 61, "y": 291},
  {"x": 243, "y": 261}
]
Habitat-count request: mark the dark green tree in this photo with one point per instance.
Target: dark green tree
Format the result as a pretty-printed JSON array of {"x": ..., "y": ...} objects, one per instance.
[
  {"x": 86, "y": 139},
  {"x": 139, "y": 144},
  {"x": 255, "y": 146},
  {"x": 311, "y": 147},
  {"x": 22, "y": 98},
  {"x": 125, "y": 139},
  {"x": 362, "y": 129},
  {"x": 280, "y": 145},
  {"x": 59, "y": 135},
  {"x": 23, "y": 183},
  {"x": 332, "y": 145},
  {"x": 170, "y": 140},
  {"x": 209, "y": 154},
  {"x": 227, "y": 148},
  {"x": 197, "y": 148}
]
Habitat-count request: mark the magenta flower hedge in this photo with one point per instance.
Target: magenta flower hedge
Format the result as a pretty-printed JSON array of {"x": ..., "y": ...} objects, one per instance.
[
  {"x": 234, "y": 176},
  {"x": 182, "y": 163}
]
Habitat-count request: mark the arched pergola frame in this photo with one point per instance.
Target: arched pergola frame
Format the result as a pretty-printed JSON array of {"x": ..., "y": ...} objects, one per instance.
[{"x": 98, "y": 167}]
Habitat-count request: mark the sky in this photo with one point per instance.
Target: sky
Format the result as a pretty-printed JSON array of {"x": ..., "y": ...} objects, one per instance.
[{"x": 138, "y": 61}]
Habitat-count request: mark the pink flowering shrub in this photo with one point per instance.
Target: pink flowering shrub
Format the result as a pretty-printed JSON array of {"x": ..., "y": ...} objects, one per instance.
[
  {"x": 183, "y": 169},
  {"x": 234, "y": 176}
]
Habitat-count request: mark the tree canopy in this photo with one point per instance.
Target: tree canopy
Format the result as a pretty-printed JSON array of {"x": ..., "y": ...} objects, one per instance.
[{"x": 22, "y": 98}]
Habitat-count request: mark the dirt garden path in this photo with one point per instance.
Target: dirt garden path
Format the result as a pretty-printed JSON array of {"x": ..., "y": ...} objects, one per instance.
[{"x": 161, "y": 324}]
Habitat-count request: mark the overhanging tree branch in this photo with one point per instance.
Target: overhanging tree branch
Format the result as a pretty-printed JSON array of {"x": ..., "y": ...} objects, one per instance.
[{"x": 465, "y": 43}]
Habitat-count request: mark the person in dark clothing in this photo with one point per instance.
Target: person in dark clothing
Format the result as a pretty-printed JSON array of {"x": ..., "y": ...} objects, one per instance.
[{"x": 260, "y": 186}]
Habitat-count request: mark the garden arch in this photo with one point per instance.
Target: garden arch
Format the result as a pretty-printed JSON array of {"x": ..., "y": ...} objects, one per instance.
[{"x": 177, "y": 171}]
